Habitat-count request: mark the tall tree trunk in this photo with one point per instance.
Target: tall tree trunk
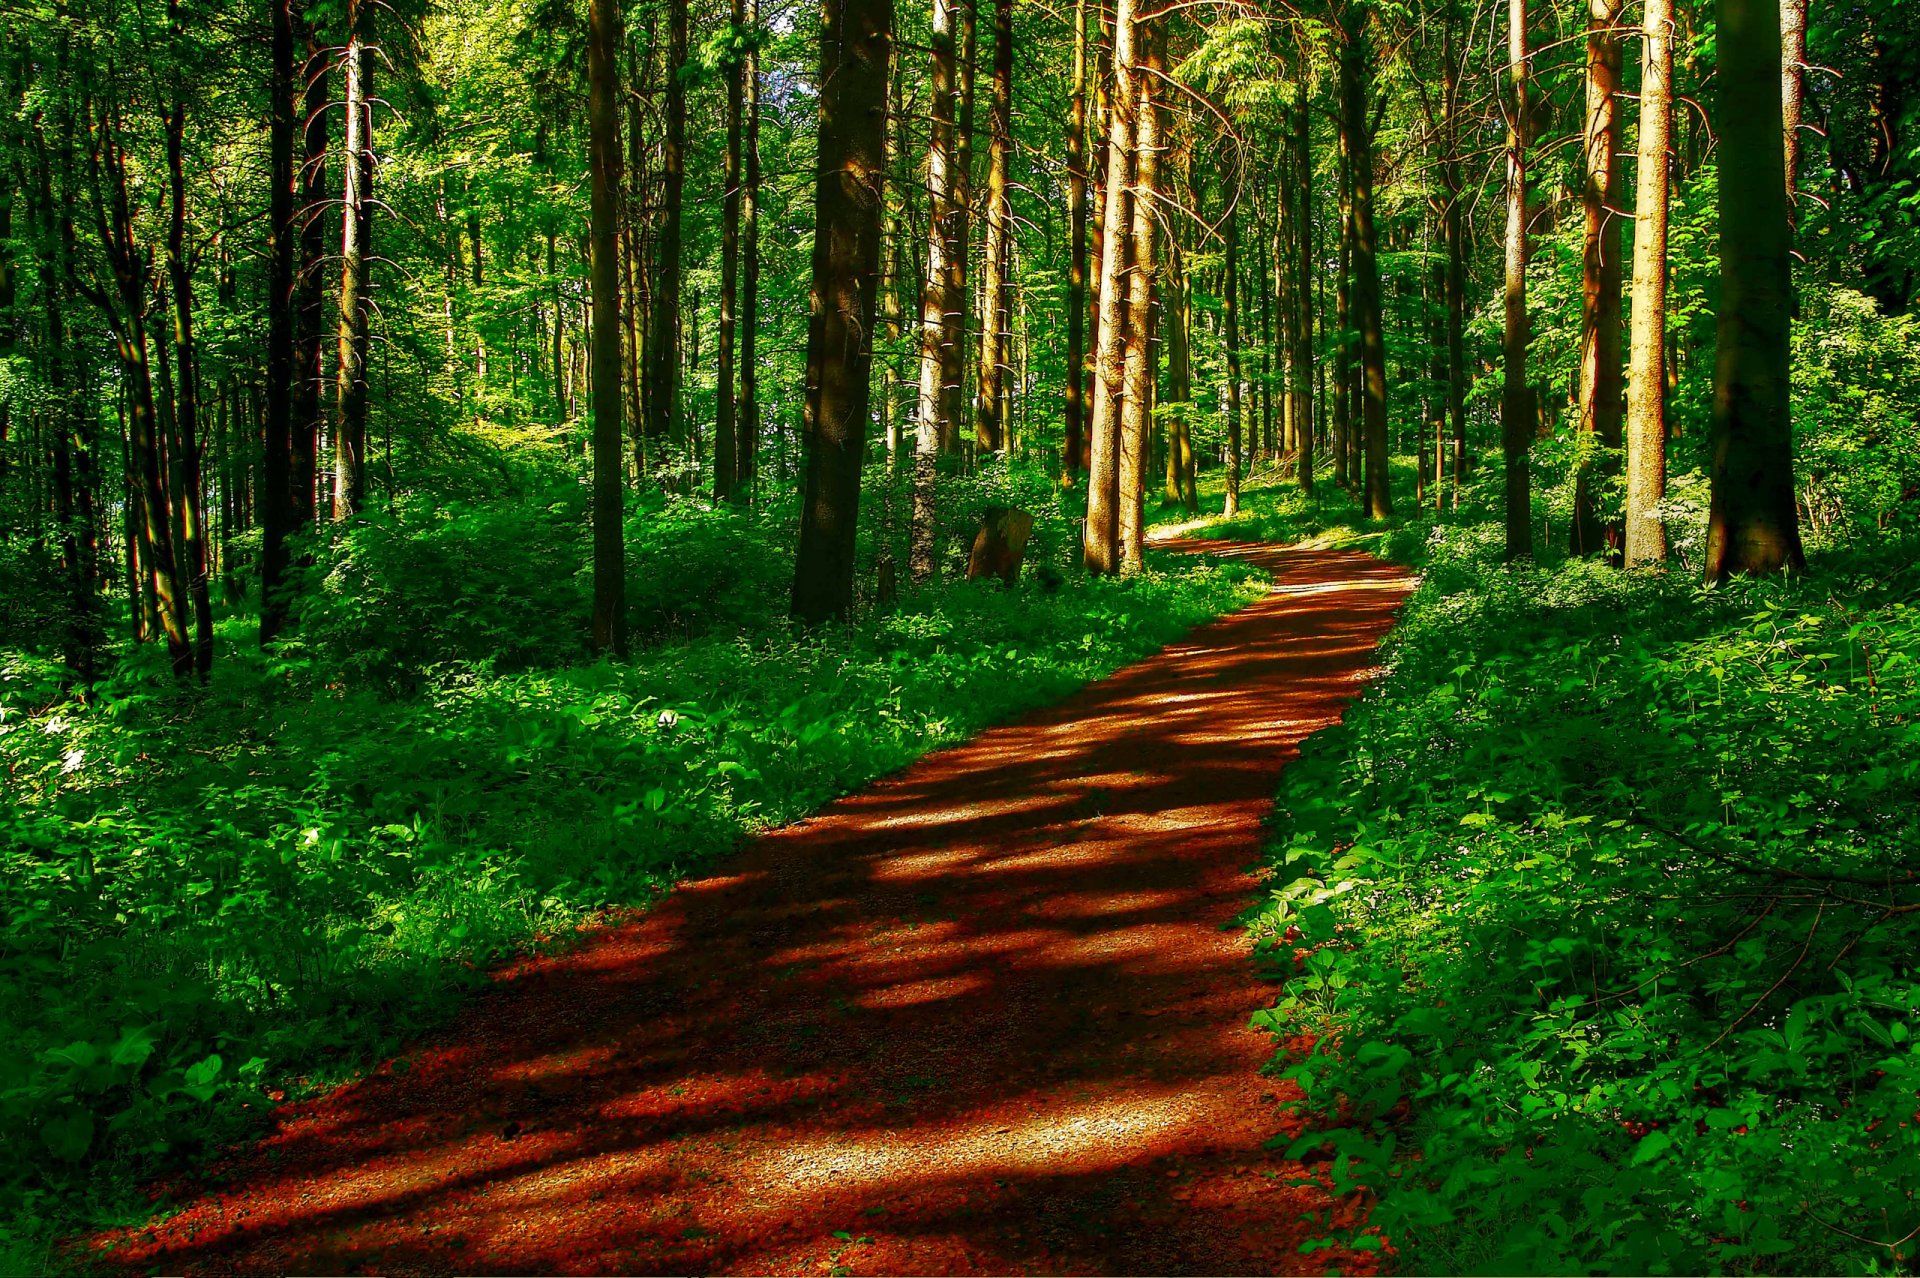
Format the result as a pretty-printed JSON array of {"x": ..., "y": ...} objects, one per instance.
[
  {"x": 1455, "y": 224},
  {"x": 1793, "y": 81},
  {"x": 1236, "y": 411},
  {"x": 1100, "y": 543},
  {"x": 1076, "y": 252},
  {"x": 603, "y": 128},
  {"x": 855, "y": 49},
  {"x": 1136, "y": 419},
  {"x": 663, "y": 339},
  {"x": 275, "y": 496},
  {"x": 1516, "y": 396},
  {"x": 1601, "y": 394},
  {"x": 1646, "y": 533},
  {"x": 309, "y": 293},
  {"x": 943, "y": 213},
  {"x": 748, "y": 442},
  {"x": 350, "y": 358},
  {"x": 893, "y": 320},
  {"x": 1356, "y": 95},
  {"x": 1345, "y": 474},
  {"x": 958, "y": 302},
  {"x": 193, "y": 539},
  {"x": 1753, "y": 520},
  {"x": 726, "y": 465},
  {"x": 996, "y": 312},
  {"x": 1301, "y": 186}
]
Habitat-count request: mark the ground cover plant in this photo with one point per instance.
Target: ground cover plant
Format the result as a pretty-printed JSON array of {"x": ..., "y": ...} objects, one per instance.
[{"x": 214, "y": 896}]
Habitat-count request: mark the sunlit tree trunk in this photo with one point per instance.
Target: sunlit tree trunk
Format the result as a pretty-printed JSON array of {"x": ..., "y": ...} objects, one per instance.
[
  {"x": 1516, "y": 396},
  {"x": 996, "y": 312},
  {"x": 1793, "y": 80},
  {"x": 1136, "y": 417},
  {"x": 1300, "y": 184},
  {"x": 943, "y": 213},
  {"x": 748, "y": 442},
  {"x": 1646, "y": 533},
  {"x": 603, "y": 138},
  {"x": 350, "y": 323},
  {"x": 958, "y": 302},
  {"x": 309, "y": 292},
  {"x": 1235, "y": 406},
  {"x": 1455, "y": 227},
  {"x": 1601, "y": 392},
  {"x": 1101, "y": 540},
  {"x": 855, "y": 48},
  {"x": 1753, "y": 520},
  {"x": 1077, "y": 253}
]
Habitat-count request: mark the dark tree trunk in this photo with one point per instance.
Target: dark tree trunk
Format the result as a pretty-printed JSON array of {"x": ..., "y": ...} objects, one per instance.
[
  {"x": 1753, "y": 521},
  {"x": 603, "y": 127},
  {"x": 855, "y": 49},
  {"x": 186, "y": 414},
  {"x": 275, "y": 498},
  {"x": 726, "y": 464},
  {"x": 1356, "y": 97}
]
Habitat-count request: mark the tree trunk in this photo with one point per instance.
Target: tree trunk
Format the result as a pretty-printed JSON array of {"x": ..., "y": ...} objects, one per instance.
[
  {"x": 1100, "y": 543},
  {"x": 855, "y": 48},
  {"x": 1301, "y": 184},
  {"x": 1235, "y": 408},
  {"x": 1601, "y": 401},
  {"x": 1646, "y": 533},
  {"x": 747, "y": 443},
  {"x": 958, "y": 302},
  {"x": 1793, "y": 80},
  {"x": 943, "y": 212},
  {"x": 663, "y": 341},
  {"x": 603, "y": 128},
  {"x": 1344, "y": 473},
  {"x": 309, "y": 293},
  {"x": 726, "y": 465},
  {"x": 350, "y": 330},
  {"x": 1077, "y": 252},
  {"x": 1456, "y": 238},
  {"x": 186, "y": 417},
  {"x": 1356, "y": 95},
  {"x": 996, "y": 311},
  {"x": 1516, "y": 396},
  {"x": 275, "y": 496},
  {"x": 1136, "y": 419},
  {"x": 1753, "y": 520}
]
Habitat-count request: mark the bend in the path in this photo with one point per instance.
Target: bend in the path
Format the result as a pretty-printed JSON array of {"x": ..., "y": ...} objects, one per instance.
[{"x": 986, "y": 1015}]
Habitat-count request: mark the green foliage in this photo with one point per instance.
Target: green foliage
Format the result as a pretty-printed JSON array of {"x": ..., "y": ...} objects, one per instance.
[
  {"x": 265, "y": 883},
  {"x": 1601, "y": 906}
]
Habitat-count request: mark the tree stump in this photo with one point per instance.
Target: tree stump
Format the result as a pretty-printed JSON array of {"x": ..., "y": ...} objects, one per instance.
[{"x": 1000, "y": 547}]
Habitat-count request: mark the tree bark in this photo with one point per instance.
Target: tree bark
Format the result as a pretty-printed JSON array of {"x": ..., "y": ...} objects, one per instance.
[
  {"x": 996, "y": 311},
  {"x": 186, "y": 416},
  {"x": 603, "y": 128},
  {"x": 958, "y": 301},
  {"x": 1646, "y": 533},
  {"x": 1301, "y": 184},
  {"x": 1076, "y": 252},
  {"x": 1100, "y": 545},
  {"x": 1753, "y": 519},
  {"x": 275, "y": 496},
  {"x": 1793, "y": 80},
  {"x": 350, "y": 325},
  {"x": 855, "y": 49},
  {"x": 1136, "y": 419},
  {"x": 309, "y": 294},
  {"x": 663, "y": 339},
  {"x": 1235, "y": 407},
  {"x": 943, "y": 212},
  {"x": 1601, "y": 391},
  {"x": 1516, "y": 396},
  {"x": 748, "y": 442},
  {"x": 1356, "y": 96},
  {"x": 726, "y": 464}
]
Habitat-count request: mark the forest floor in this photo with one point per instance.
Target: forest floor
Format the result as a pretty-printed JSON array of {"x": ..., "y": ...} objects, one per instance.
[{"x": 990, "y": 1014}]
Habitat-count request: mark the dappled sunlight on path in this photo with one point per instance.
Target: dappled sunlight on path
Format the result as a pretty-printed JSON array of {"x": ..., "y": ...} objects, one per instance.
[{"x": 986, "y": 1015}]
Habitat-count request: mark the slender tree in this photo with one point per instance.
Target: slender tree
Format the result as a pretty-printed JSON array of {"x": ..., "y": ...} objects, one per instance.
[
  {"x": 1357, "y": 126},
  {"x": 1076, "y": 252},
  {"x": 1602, "y": 400},
  {"x": 1101, "y": 539},
  {"x": 942, "y": 217},
  {"x": 1138, "y": 371},
  {"x": 1516, "y": 396},
  {"x": 275, "y": 498},
  {"x": 351, "y": 315},
  {"x": 663, "y": 338},
  {"x": 603, "y": 130},
  {"x": 726, "y": 464},
  {"x": 1645, "y": 539},
  {"x": 990, "y": 417}
]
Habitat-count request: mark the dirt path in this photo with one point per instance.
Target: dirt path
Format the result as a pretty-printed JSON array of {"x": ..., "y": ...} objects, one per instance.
[{"x": 984, "y": 1016}]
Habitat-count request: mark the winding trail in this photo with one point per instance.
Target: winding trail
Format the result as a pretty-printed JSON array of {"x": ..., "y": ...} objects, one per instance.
[{"x": 988, "y": 1015}]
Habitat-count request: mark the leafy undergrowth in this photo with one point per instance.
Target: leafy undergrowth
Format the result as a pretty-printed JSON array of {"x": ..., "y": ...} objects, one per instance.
[
  {"x": 212, "y": 897},
  {"x": 1604, "y": 908}
]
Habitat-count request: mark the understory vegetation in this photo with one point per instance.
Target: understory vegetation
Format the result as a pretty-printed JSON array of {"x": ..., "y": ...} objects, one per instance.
[
  {"x": 1600, "y": 914},
  {"x": 213, "y": 896}
]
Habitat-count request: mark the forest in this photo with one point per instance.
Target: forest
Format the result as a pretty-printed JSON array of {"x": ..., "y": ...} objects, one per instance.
[{"x": 482, "y": 480}]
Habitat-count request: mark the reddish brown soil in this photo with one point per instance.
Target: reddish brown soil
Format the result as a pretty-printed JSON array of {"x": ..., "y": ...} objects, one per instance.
[{"x": 987, "y": 1016}]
